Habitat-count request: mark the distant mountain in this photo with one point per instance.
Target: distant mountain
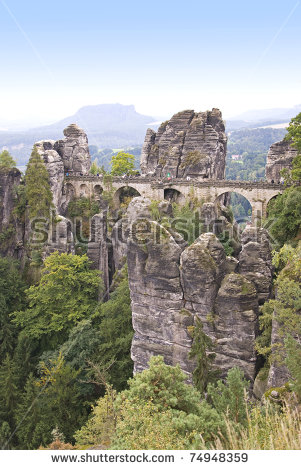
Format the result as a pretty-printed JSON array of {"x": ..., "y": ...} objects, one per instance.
[
  {"x": 274, "y": 114},
  {"x": 107, "y": 125},
  {"x": 262, "y": 117}
]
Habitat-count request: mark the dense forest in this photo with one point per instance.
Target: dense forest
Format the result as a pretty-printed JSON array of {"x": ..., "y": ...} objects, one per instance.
[
  {"x": 252, "y": 146},
  {"x": 66, "y": 379}
]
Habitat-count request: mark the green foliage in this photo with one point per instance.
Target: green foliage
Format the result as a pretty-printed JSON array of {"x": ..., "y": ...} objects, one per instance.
[
  {"x": 83, "y": 207},
  {"x": 52, "y": 402},
  {"x": 267, "y": 429},
  {"x": 253, "y": 146},
  {"x": 100, "y": 427},
  {"x": 61, "y": 399},
  {"x": 12, "y": 290},
  {"x": 202, "y": 374},
  {"x": 95, "y": 169},
  {"x": 141, "y": 426},
  {"x": 294, "y": 132},
  {"x": 20, "y": 204},
  {"x": 6, "y": 161},
  {"x": 67, "y": 293},
  {"x": 293, "y": 362},
  {"x": 185, "y": 219},
  {"x": 227, "y": 243},
  {"x": 37, "y": 188},
  {"x": 5, "y": 433},
  {"x": 122, "y": 163},
  {"x": 163, "y": 388},
  {"x": 116, "y": 332},
  {"x": 284, "y": 215},
  {"x": 8, "y": 391},
  {"x": 229, "y": 398},
  {"x": 285, "y": 308},
  {"x": 263, "y": 341}
]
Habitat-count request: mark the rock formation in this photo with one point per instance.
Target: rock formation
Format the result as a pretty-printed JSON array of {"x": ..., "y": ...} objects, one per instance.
[
  {"x": 172, "y": 284},
  {"x": 98, "y": 248},
  {"x": 280, "y": 156},
  {"x": 67, "y": 155},
  {"x": 74, "y": 150},
  {"x": 189, "y": 144},
  {"x": 255, "y": 261}
]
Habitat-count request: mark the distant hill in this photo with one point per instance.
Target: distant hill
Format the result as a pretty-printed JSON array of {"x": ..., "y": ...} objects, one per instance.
[
  {"x": 262, "y": 117},
  {"x": 107, "y": 125}
]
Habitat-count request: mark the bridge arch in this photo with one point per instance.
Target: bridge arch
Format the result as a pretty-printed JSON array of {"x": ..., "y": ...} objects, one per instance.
[
  {"x": 241, "y": 205},
  {"x": 97, "y": 191},
  {"x": 124, "y": 194},
  {"x": 84, "y": 190},
  {"x": 174, "y": 195}
]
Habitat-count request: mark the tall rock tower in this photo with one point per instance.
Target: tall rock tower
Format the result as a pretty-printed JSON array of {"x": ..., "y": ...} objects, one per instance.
[
  {"x": 189, "y": 144},
  {"x": 280, "y": 156}
]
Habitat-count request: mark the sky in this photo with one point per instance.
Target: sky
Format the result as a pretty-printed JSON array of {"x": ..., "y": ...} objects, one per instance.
[{"x": 162, "y": 56}]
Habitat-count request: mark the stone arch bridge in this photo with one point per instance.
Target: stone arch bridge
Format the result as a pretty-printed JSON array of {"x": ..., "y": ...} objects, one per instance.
[{"x": 257, "y": 193}]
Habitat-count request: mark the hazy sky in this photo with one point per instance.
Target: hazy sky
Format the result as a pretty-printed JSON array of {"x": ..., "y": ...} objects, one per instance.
[{"x": 162, "y": 56}]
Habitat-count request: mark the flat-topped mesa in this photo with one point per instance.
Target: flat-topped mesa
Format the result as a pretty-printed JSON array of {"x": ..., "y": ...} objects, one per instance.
[
  {"x": 189, "y": 144},
  {"x": 280, "y": 156}
]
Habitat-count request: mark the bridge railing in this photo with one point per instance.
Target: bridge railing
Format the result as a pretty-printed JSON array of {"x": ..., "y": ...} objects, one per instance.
[{"x": 165, "y": 182}]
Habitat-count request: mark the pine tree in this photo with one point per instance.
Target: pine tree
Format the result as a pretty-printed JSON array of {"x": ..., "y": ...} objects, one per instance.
[
  {"x": 8, "y": 391},
  {"x": 11, "y": 298},
  {"x": 38, "y": 192},
  {"x": 6, "y": 161},
  {"x": 229, "y": 397}
]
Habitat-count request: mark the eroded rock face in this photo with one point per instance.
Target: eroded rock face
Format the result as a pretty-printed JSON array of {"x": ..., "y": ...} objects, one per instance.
[
  {"x": 74, "y": 150},
  {"x": 157, "y": 301},
  {"x": 236, "y": 310},
  {"x": 278, "y": 372},
  {"x": 173, "y": 284},
  {"x": 280, "y": 156},
  {"x": 60, "y": 157},
  {"x": 202, "y": 270},
  {"x": 189, "y": 144},
  {"x": 55, "y": 167},
  {"x": 255, "y": 261},
  {"x": 98, "y": 248}
]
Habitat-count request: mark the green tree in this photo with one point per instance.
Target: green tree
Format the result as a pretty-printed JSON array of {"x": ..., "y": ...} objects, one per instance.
[
  {"x": 66, "y": 294},
  {"x": 165, "y": 388},
  {"x": 284, "y": 215},
  {"x": 8, "y": 391},
  {"x": 37, "y": 186},
  {"x": 122, "y": 163},
  {"x": 116, "y": 333},
  {"x": 32, "y": 424},
  {"x": 60, "y": 398},
  {"x": 141, "y": 426},
  {"x": 6, "y": 161},
  {"x": 293, "y": 362},
  {"x": 294, "y": 136},
  {"x": 199, "y": 350},
  {"x": 229, "y": 397},
  {"x": 12, "y": 297},
  {"x": 294, "y": 132},
  {"x": 158, "y": 411},
  {"x": 95, "y": 168},
  {"x": 101, "y": 425},
  {"x": 285, "y": 308}
]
